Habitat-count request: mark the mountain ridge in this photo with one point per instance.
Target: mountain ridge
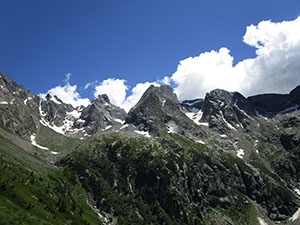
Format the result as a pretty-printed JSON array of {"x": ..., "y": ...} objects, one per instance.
[
  {"x": 224, "y": 159},
  {"x": 81, "y": 120}
]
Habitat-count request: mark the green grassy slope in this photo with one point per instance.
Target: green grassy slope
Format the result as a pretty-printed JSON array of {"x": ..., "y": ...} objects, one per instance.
[{"x": 33, "y": 192}]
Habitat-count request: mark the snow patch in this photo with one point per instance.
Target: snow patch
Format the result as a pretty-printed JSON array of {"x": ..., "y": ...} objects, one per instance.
[
  {"x": 296, "y": 215},
  {"x": 119, "y": 121},
  {"x": 33, "y": 142},
  {"x": 171, "y": 130},
  {"x": 53, "y": 99},
  {"x": 54, "y": 153},
  {"x": 241, "y": 110},
  {"x": 40, "y": 109},
  {"x": 227, "y": 124},
  {"x": 26, "y": 100},
  {"x": 223, "y": 135},
  {"x": 255, "y": 146},
  {"x": 67, "y": 123},
  {"x": 297, "y": 191},
  {"x": 53, "y": 127},
  {"x": 66, "y": 127},
  {"x": 80, "y": 108},
  {"x": 144, "y": 133},
  {"x": 261, "y": 221},
  {"x": 171, "y": 127},
  {"x": 201, "y": 142},
  {"x": 76, "y": 114},
  {"x": 240, "y": 153},
  {"x": 124, "y": 126},
  {"x": 163, "y": 103},
  {"x": 3, "y": 103},
  {"x": 80, "y": 121},
  {"x": 196, "y": 117},
  {"x": 204, "y": 124},
  {"x": 106, "y": 128}
]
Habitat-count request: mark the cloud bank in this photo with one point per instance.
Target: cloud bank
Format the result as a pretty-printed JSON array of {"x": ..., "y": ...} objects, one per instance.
[
  {"x": 116, "y": 92},
  {"x": 276, "y": 68},
  {"x": 114, "y": 88},
  {"x": 136, "y": 94},
  {"x": 67, "y": 93}
]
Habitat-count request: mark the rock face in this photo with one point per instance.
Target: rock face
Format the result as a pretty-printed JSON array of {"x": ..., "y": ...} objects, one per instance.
[
  {"x": 182, "y": 182},
  {"x": 101, "y": 114},
  {"x": 81, "y": 121},
  {"x": 54, "y": 110},
  {"x": 226, "y": 111},
  {"x": 18, "y": 108},
  {"x": 158, "y": 111}
]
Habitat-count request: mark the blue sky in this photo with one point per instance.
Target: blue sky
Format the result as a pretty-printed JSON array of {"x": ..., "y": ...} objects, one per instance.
[{"x": 136, "y": 40}]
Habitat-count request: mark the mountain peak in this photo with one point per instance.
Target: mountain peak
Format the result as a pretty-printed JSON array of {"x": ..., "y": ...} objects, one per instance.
[
  {"x": 225, "y": 111},
  {"x": 148, "y": 114},
  {"x": 54, "y": 99},
  {"x": 223, "y": 95},
  {"x": 163, "y": 92},
  {"x": 101, "y": 99},
  {"x": 4, "y": 77},
  {"x": 159, "y": 111}
]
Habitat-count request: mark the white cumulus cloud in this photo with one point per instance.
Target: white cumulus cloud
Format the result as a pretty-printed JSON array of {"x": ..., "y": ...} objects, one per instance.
[
  {"x": 276, "y": 68},
  {"x": 67, "y": 93},
  {"x": 116, "y": 92},
  {"x": 197, "y": 75},
  {"x": 136, "y": 94},
  {"x": 114, "y": 88},
  {"x": 277, "y": 65},
  {"x": 90, "y": 84}
]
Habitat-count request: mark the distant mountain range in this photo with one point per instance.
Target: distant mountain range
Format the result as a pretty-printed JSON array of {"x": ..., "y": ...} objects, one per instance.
[{"x": 224, "y": 159}]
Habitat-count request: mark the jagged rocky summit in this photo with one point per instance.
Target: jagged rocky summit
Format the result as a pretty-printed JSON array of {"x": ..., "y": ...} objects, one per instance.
[
  {"x": 159, "y": 112},
  {"x": 24, "y": 112}
]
